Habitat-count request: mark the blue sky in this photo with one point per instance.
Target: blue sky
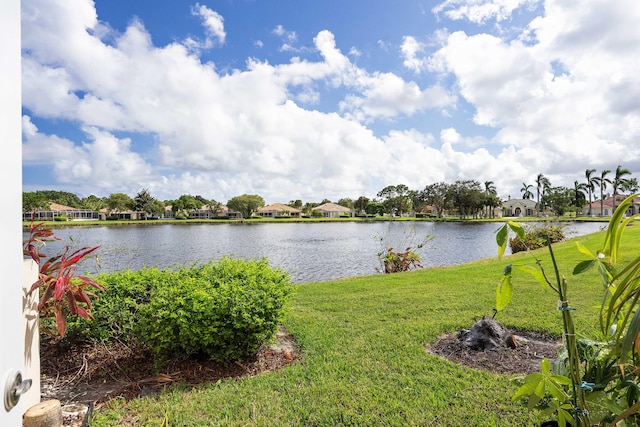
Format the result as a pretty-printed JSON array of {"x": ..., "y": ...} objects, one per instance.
[{"x": 325, "y": 99}]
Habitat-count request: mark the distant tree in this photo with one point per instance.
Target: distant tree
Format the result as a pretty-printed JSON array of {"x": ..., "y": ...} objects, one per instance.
[
  {"x": 145, "y": 202},
  {"x": 631, "y": 185},
  {"x": 61, "y": 197},
  {"x": 526, "y": 191},
  {"x": 361, "y": 204},
  {"x": 32, "y": 201},
  {"x": 346, "y": 202},
  {"x": 579, "y": 196},
  {"x": 438, "y": 196},
  {"x": 491, "y": 202},
  {"x": 619, "y": 182},
  {"x": 324, "y": 201},
  {"x": 296, "y": 204},
  {"x": 202, "y": 200},
  {"x": 216, "y": 207},
  {"x": 467, "y": 196},
  {"x": 191, "y": 202},
  {"x": 119, "y": 202},
  {"x": 395, "y": 198},
  {"x": 602, "y": 182},
  {"x": 558, "y": 199},
  {"x": 306, "y": 209},
  {"x": 542, "y": 185},
  {"x": 94, "y": 203},
  {"x": 246, "y": 204},
  {"x": 375, "y": 208},
  {"x": 590, "y": 184}
]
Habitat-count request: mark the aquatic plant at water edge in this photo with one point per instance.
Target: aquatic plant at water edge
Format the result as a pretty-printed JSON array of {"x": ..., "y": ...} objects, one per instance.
[{"x": 395, "y": 261}]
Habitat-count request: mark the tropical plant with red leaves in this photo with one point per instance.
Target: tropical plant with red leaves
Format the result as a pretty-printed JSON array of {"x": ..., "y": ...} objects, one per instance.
[{"x": 62, "y": 292}]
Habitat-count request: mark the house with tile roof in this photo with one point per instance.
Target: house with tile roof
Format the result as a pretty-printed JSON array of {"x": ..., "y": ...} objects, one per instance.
[
  {"x": 279, "y": 210},
  {"x": 332, "y": 210},
  {"x": 605, "y": 206}
]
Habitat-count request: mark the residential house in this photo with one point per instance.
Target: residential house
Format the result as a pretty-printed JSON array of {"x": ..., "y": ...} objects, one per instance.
[
  {"x": 115, "y": 214},
  {"x": 606, "y": 207},
  {"x": 56, "y": 210},
  {"x": 332, "y": 210},
  {"x": 209, "y": 212},
  {"x": 519, "y": 207},
  {"x": 278, "y": 209}
]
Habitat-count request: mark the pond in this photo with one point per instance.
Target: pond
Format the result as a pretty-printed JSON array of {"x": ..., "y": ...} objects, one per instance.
[{"x": 310, "y": 252}]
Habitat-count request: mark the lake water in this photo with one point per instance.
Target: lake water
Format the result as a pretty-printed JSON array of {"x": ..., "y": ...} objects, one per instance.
[{"x": 308, "y": 251}]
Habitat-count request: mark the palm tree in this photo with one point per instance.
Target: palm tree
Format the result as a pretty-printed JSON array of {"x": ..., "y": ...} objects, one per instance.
[
  {"x": 578, "y": 189},
  {"x": 590, "y": 185},
  {"x": 490, "y": 191},
  {"x": 631, "y": 185},
  {"x": 619, "y": 182},
  {"x": 542, "y": 184},
  {"x": 602, "y": 182},
  {"x": 526, "y": 190}
]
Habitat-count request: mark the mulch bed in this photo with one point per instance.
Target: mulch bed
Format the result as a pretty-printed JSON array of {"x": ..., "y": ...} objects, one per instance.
[
  {"x": 97, "y": 373},
  {"x": 523, "y": 359}
]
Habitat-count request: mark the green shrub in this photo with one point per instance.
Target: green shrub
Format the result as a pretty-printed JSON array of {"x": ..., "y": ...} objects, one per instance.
[
  {"x": 223, "y": 310},
  {"x": 60, "y": 218},
  {"x": 116, "y": 311},
  {"x": 536, "y": 238}
]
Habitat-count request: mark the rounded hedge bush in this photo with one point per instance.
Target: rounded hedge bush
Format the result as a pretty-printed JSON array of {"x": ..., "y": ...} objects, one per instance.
[{"x": 222, "y": 310}]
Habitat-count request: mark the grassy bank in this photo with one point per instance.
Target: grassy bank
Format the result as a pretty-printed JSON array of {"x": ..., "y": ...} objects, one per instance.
[{"x": 364, "y": 361}]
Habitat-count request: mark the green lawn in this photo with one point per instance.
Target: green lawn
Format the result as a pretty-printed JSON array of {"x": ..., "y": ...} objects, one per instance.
[{"x": 363, "y": 353}]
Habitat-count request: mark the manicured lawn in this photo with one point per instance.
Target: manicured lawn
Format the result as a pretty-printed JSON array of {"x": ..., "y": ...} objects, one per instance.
[{"x": 364, "y": 361}]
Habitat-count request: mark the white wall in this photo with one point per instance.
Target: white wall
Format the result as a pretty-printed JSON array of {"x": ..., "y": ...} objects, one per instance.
[{"x": 10, "y": 204}]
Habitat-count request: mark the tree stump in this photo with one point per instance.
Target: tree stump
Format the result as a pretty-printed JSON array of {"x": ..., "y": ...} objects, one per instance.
[
  {"x": 486, "y": 334},
  {"x": 43, "y": 414}
]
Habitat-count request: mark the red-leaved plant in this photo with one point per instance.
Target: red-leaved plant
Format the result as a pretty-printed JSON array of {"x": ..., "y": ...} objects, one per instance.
[{"x": 62, "y": 290}]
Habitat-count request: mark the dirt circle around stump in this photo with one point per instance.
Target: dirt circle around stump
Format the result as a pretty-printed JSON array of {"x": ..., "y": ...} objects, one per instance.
[{"x": 525, "y": 358}]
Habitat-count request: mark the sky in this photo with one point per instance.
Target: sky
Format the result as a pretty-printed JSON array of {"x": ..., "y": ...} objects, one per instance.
[{"x": 325, "y": 99}]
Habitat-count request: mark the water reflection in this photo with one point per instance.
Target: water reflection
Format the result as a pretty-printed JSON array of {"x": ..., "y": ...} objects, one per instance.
[{"x": 308, "y": 251}]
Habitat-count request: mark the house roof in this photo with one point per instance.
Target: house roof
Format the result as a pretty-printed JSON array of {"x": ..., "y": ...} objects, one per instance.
[
  {"x": 59, "y": 207},
  {"x": 279, "y": 207},
  {"x": 331, "y": 207},
  {"x": 519, "y": 202},
  {"x": 608, "y": 201}
]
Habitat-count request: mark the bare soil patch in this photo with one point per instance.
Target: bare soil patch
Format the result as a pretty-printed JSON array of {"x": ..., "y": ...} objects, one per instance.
[
  {"x": 524, "y": 358},
  {"x": 96, "y": 373}
]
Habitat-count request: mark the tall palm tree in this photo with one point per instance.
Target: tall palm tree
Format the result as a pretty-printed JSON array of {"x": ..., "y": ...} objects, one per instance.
[
  {"x": 542, "y": 185},
  {"x": 619, "y": 182},
  {"x": 602, "y": 182},
  {"x": 578, "y": 189},
  {"x": 490, "y": 191},
  {"x": 526, "y": 190},
  {"x": 631, "y": 185},
  {"x": 590, "y": 184}
]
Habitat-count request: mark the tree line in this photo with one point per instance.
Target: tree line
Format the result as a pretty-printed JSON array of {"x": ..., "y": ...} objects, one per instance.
[{"x": 465, "y": 198}]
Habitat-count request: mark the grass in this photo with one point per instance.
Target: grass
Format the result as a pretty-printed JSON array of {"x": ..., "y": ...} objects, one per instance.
[{"x": 363, "y": 353}]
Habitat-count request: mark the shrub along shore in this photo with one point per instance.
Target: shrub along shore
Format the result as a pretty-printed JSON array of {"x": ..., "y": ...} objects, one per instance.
[{"x": 364, "y": 352}]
